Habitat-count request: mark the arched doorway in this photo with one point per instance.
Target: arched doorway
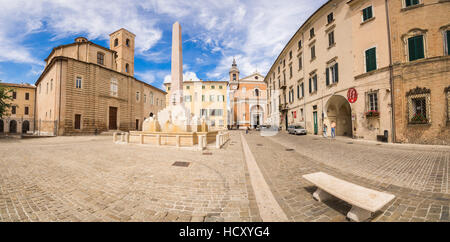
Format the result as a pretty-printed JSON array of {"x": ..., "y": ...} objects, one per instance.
[
  {"x": 256, "y": 116},
  {"x": 13, "y": 126},
  {"x": 2, "y": 129},
  {"x": 339, "y": 110},
  {"x": 25, "y": 126}
]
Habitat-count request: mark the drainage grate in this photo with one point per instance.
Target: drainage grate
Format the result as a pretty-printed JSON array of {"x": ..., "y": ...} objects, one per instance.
[
  {"x": 259, "y": 145},
  {"x": 181, "y": 163},
  {"x": 289, "y": 149},
  {"x": 350, "y": 143},
  {"x": 207, "y": 153}
]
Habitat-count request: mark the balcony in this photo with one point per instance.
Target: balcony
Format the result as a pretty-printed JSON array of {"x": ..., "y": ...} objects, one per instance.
[
  {"x": 283, "y": 85},
  {"x": 283, "y": 107}
]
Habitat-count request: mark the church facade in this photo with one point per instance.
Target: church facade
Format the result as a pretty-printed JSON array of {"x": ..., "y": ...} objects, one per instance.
[
  {"x": 248, "y": 100},
  {"x": 86, "y": 88}
]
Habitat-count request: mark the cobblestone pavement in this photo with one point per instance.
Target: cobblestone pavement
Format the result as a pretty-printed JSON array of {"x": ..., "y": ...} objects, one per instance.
[
  {"x": 92, "y": 179},
  {"x": 418, "y": 178}
]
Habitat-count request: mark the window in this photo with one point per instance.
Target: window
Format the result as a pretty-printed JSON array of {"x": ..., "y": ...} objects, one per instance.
[
  {"x": 330, "y": 18},
  {"x": 100, "y": 58},
  {"x": 300, "y": 44},
  {"x": 26, "y": 110},
  {"x": 77, "y": 83},
  {"x": 145, "y": 98},
  {"x": 127, "y": 67},
  {"x": 220, "y": 87},
  {"x": 47, "y": 89},
  {"x": 300, "y": 64},
  {"x": 13, "y": 109},
  {"x": 372, "y": 101},
  {"x": 371, "y": 59},
  {"x": 367, "y": 13},
  {"x": 302, "y": 89},
  {"x": 311, "y": 33},
  {"x": 213, "y": 87},
  {"x": 290, "y": 54},
  {"x": 203, "y": 98},
  {"x": 313, "y": 83},
  {"x": 220, "y": 98},
  {"x": 14, "y": 95},
  {"x": 51, "y": 85},
  {"x": 447, "y": 91},
  {"x": 116, "y": 42},
  {"x": 113, "y": 88},
  {"x": 188, "y": 98},
  {"x": 203, "y": 87},
  {"x": 234, "y": 77},
  {"x": 290, "y": 71},
  {"x": 419, "y": 106},
  {"x": 39, "y": 88},
  {"x": 127, "y": 43},
  {"x": 211, "y": 98},
  {"x": 331, "y": 39},
  {"x": 332, "y": 74},
  {"x": 298, "y": 91},
  {"x": 313, "y": 52},
  {"x": 77, "y": 121},
  {"x": 409, "y": 3},
  {"x": 138, "y": 96},
  {"x": 257, "y": 92},
  {"x": 151, "y": 98},
  {"x": 415, "y": 48},
  {"x": 27, "y": 96}
]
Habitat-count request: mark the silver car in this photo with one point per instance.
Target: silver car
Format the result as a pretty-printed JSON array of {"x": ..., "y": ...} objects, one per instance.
[{"x": 298, "y": 129}]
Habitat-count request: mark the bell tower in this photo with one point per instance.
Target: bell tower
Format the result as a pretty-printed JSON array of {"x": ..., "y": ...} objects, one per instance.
[
  {"x": 122, "y": 41},
  {"x": 234, "y": 76}
]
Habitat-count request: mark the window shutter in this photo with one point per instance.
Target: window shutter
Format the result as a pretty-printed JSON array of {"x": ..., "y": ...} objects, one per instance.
[
  {"x": 310, "y": 89},
  {"x": 419, "y": 47},
  {"x": 448, "y": 42},
  {"x": 327, "y": 74},
  {"x": 298, "y": 91},
  {"x": 336, "y": 71}
]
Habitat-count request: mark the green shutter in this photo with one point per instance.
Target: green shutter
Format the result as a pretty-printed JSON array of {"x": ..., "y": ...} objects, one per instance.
[
  {"x": 448, "y": 42},
  {"x": 327, "y": 75},
  {"x": 310, "y": 89},
  {"x": 415, "y": 47},
  {"x": 336, "y": 70},
  {"x": 371, "y": 59}
]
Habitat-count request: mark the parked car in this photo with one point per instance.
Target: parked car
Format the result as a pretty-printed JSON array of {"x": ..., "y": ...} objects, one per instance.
[
  {"x": 258, "y": 128},
  {"x": 298, "y": 129},
  {"x": 291, "y": 129}
]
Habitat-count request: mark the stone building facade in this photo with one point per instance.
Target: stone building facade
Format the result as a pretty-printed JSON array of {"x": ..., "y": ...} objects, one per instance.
[
  {"x": 86, "y": 88},
  {"x": 206, "y": 99},
  {"x": 421, "y": 70},
  {"x": 377, "y": 68},
  {"x": 248, "y": 99},
  {"x": 332, "y": 56},
  {"x": 19, "y": 118}
]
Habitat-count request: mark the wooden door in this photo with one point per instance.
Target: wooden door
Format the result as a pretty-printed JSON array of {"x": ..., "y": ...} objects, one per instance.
[
  {"x": 112, "y": 118},
  {"x": 316, "y": 128}
]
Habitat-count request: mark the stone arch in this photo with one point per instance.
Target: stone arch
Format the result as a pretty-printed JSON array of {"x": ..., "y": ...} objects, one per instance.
[
  {"x": 25, "y": 126},
  {"x": 13, "y": 126},
  {"x": 256, "y": 115},
  {"x": 338, "y": 109}
]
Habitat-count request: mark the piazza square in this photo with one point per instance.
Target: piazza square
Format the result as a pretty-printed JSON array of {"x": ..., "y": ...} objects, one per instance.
[{"x": 343, "y": 116}]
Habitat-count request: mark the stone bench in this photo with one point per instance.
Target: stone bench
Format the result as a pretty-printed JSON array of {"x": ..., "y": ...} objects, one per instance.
[{"x": 364, "y": 201}]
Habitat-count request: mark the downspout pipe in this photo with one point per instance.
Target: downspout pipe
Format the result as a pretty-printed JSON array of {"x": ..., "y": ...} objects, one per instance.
[{"x": 391, "y": 74}]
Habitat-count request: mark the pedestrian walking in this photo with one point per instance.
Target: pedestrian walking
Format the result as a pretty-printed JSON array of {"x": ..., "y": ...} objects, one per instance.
[
  {"x": 333, "y": 129},
  {"x": 325, "y": 130},
  {"x": 246, "y": 130}
]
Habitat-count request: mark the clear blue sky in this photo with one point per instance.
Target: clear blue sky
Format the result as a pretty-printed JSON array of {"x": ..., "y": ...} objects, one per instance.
[{"x": 254, "y": 31}]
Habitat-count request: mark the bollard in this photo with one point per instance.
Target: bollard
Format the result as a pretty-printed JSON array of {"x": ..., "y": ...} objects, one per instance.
[
  {"x": 122, "y": 137},
  {"x": 158, "y": 139},
  {"x": 218, "y": 141},
  {"x": 178, "y": 141},
  {"x": 127, "y": 138},
  {"x": 142, "y": 139},
  {"x": 115, "y": 137}
]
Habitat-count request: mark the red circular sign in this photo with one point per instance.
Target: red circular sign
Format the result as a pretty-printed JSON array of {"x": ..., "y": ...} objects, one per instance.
[{"x": 352, "y": 95}]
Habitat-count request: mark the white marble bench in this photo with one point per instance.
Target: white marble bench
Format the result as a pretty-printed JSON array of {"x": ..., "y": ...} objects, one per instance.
[{"x": 364, "y": 201}]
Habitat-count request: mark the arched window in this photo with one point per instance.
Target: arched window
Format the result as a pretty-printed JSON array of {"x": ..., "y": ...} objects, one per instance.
[
  {"x": 257, "y": 92},
  {"x": 116, "y": 42},
  {"x": 127, "y": 42},
  {"x": 151, "y": 98},
  {"x": 127, "y": 67}
]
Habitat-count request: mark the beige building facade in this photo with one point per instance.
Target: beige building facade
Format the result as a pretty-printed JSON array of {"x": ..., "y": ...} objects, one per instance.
[
  {"x": 421, "y": 70},
  {"x": 207, "y": 99},
  {"x": 86, "y": 88},
  {"x": 332, "y": 56},
  {"x": 19, "y": 118},
  {"x": 248, "y": 99}
]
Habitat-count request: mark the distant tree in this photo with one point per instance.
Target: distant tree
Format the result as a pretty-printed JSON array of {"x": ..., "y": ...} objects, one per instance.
[{"x": 4, "y": 96}]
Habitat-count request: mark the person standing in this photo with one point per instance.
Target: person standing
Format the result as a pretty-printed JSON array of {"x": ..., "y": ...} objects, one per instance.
[
  {"x": 325, "y": 130},
  {"x": 333, "y": 129}
]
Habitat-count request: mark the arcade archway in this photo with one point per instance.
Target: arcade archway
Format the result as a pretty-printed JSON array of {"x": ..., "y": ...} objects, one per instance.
[
  {"x": 256, "y": 115},
  {"x": 339, "y": 110}
]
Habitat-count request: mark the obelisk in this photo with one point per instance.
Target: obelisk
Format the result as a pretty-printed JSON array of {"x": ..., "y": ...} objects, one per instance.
[{"x": 177, "y": 65}]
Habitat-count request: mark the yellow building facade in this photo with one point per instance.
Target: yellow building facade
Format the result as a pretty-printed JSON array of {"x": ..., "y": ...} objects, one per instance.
[
  {"x": 19, "y": 118},
  {"x": 206, "y": 99}
]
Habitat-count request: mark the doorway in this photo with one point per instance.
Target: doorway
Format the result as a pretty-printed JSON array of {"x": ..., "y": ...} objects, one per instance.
[
  {"x": 1, "y": 126},
  {"x": 25, "y": 127},
  {"x": 340, "y": 112},
  {"x": 112, "y": 118},
  {"x": 137, "y": 124},
  {"x": 13, "y": 126},
  {"x": 316, "y": 126}
]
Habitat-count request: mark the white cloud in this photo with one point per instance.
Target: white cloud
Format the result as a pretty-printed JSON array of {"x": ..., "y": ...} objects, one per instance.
[{"x": 187, "y": 76}]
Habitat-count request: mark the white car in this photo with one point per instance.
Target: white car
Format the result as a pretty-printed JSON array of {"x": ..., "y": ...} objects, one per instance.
[{"x": 298, "y": 129}]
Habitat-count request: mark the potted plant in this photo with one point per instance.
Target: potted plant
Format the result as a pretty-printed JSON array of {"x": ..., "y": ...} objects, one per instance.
[
  {"x": 419, "y": 118},
  {"x": 372, "y": 114}
]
